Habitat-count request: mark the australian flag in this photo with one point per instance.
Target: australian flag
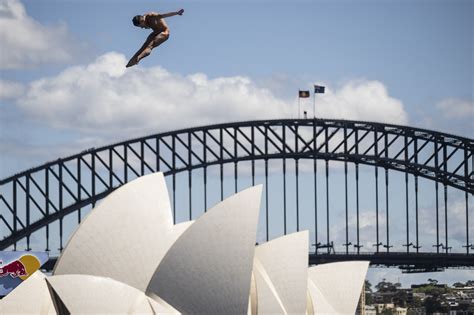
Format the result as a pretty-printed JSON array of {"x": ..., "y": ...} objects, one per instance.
[{"x": 318, "y": 89}]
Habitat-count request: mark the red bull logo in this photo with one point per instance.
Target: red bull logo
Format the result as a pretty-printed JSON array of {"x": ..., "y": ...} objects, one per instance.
[
  {"x": 13, "y": 269},
  {"x": 21, "y": 268},
  {"x": 16, "y": 267}
]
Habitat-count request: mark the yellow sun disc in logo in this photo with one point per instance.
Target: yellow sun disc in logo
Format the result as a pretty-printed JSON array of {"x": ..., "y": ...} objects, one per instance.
[{"x": 31, "y": 264}]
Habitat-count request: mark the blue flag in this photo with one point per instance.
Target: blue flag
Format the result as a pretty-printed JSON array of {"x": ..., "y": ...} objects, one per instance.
[{"x": 318, "y": 89}]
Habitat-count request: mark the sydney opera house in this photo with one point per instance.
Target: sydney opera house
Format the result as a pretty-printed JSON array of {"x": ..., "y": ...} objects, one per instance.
[{"x": 127, "y": 257}]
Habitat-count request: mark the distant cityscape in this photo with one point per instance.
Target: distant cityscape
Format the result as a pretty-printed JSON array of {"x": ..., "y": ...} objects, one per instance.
[{"x": 387, "y": 298}]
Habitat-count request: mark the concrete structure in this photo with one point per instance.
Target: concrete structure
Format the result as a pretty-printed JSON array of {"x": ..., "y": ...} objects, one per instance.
[
  {"x": 30, "y": 297},
  {"x": 128, "y": 257},
  {"x": 331, "y": 290},
  {"x": 281, "y": 274},
  {"x": 361, "y": 304},
  {"x": 370, "y": 310},
  {"x": 79, "y": 294},
  {"x": 82, "y": 294},
  {"x": 218, "y": 251},
  {"x": 125, "y": 236}
]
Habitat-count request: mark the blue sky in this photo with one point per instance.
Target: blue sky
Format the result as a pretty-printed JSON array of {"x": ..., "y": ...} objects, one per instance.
[
  {"x": 64, "y": 87},
  {"x": 420, "y": 52},
  {"x": 420, "y": 49}
]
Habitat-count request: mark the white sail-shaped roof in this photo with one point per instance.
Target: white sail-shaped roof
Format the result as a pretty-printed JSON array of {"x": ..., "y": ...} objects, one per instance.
[
  {"x": 335, "y": 287},
  {"x": 318, "y": 303},
  {"x": 281, "y": 273},
  {"x": 159, "y": 306},
  {"x": 208, "y": 269},
  {"x": 252, "y": 308},
  {"x": 268, "y": 300},
  {"x": 83, "y": 294},
  {"x": 125, "y": 236},
  {"x": 30, "y": 297}
]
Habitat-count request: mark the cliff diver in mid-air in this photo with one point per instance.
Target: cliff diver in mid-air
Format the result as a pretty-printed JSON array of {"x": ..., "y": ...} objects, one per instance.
[{"x": 160, "y": 33}]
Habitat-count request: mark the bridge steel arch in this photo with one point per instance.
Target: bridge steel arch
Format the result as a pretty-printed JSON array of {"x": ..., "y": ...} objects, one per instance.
[{"x": 33, "y": 199}]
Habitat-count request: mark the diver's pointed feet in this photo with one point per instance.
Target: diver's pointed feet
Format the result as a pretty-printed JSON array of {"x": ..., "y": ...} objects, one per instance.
[{"x": 131, "y": 63}]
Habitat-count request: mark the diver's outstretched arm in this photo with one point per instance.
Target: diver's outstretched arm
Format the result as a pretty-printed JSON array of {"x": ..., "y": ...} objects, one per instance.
[{"x": 170, "y": 14}]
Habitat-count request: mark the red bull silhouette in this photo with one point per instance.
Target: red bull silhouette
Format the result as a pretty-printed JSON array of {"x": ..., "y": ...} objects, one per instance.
[{"x": 14, "y": 269}]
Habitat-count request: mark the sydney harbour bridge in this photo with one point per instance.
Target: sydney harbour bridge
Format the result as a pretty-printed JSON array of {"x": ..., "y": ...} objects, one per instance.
[{"x": 317, "y": 175}]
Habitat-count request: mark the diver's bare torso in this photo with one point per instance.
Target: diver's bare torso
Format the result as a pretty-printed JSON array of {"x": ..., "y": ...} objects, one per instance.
[{"x": 155, "y": 22}]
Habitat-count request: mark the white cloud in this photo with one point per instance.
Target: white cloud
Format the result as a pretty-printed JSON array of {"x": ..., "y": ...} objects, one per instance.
[
  {"x": 456, "y": 108},
  {"x": 25, "y": 42},
  {"x": 10, "y": 90},
  {"x": 456, "y": 221},
  {"x": 106, "y": 98},
  {"x": 361, "y": 100},
  {"x": 451, "y": 115},
  {"x": 367, "y": 231},
  {"x": 427, "y": 219}
]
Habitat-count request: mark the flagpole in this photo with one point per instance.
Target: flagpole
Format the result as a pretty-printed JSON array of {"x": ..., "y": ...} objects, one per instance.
[
  {"x": 299, "y": 105},
  {"x": 314, "y": 104},
  {"x": 317, "y": 89}
]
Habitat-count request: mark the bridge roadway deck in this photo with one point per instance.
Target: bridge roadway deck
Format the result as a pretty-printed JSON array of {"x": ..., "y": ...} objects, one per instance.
[{"x": 411, "y": 262}]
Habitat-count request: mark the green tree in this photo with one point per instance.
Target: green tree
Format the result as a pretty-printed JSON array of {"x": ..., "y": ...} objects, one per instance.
[
  {"x": 388, "y": 311},
  {"x": 368, "y": 286},
  {"x": 433, "y": 304},
  {"x": 368, "y": 293},
  {"x": 386, "y": 286},
  {"x": 415, "y": 303},
  {"x": 433, "y": 281},
  {"x": 400, "y": 298}
]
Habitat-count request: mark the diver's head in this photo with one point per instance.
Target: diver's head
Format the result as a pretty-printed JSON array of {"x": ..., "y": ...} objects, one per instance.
[{"x": 138, "y": 20}]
